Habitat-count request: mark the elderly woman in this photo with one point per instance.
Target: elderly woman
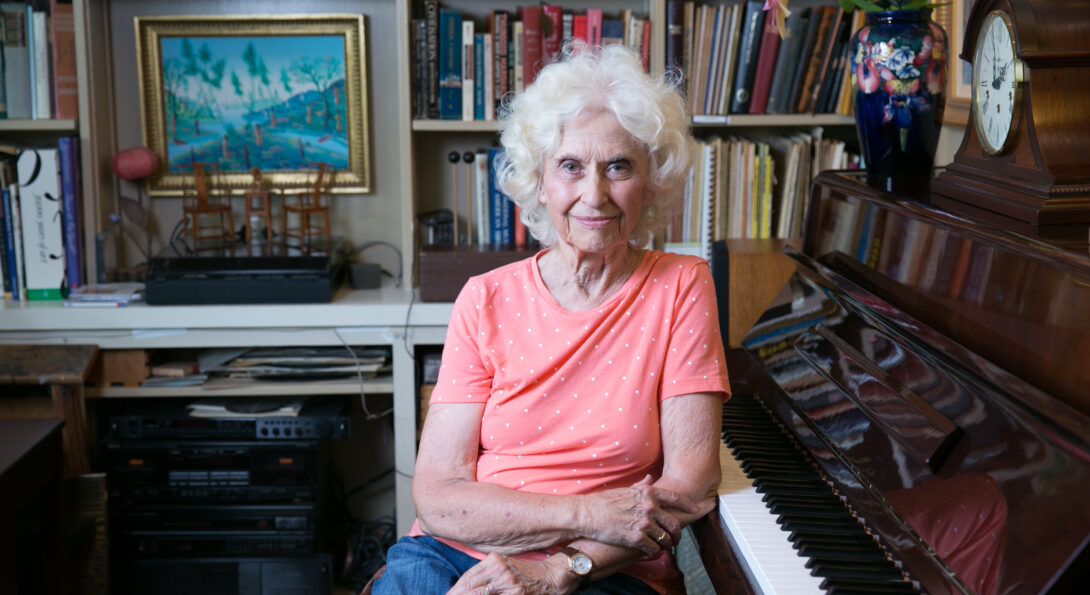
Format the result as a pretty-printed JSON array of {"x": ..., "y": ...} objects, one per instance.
[{"x": 574, "y": 429}]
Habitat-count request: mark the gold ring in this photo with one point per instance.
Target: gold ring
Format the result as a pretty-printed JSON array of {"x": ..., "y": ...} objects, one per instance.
[{"x": 661, "y": 538}]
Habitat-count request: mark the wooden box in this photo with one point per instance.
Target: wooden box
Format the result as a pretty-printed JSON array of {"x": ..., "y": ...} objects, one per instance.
[{"x": 445, "y": 269}]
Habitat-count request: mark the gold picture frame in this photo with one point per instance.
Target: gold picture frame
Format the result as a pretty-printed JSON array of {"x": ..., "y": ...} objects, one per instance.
[
  {"x": 953, "y": 17},
  {"x": 280, "y": 93}
]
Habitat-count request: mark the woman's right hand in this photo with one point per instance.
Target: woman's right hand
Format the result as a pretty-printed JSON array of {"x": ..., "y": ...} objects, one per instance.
[{"x": 636, "y": 517}]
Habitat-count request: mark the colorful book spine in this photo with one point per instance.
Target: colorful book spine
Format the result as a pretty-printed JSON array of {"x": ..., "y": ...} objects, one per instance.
[
  {"x": 469, "y": 74},
  {"x": 478, "y": 82},
  {"x": 531, "y": 43},
  {"x": 13, "y": 241},
  {"x": 594, "y": 26},
  {"x": 552, "y": 32},
  {"x": 16, "y": 54},
  {"x": 450, "y": 64},
  {"x": 747, "y": 57},
  {"x": 7, "y": 247},
  {"x": 431, "y": 19},
  {"x": 32, "y": 59},
  {"x": 499, "y": 205},
  {"x": 68, "y": 148},
  {"x": 65, "y": 83},
  {"x": 500, "y": 43},
  {"x": 766, "y": 60},
  {"x": 674, "y": 33},
  {"x": 43, "y": 80}
]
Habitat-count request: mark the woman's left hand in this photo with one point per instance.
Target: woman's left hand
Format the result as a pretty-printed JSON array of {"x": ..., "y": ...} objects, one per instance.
[{"x": 501, "y": 575}]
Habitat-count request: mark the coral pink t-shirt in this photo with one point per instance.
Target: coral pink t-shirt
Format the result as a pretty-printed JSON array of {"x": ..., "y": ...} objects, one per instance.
[{"x": 572, "y": 398}]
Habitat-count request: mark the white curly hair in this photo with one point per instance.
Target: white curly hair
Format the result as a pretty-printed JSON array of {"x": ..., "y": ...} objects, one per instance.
[{"x": 650, "y": 109}]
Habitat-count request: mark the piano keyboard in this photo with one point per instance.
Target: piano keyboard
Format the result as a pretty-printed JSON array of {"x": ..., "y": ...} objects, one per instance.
[{"x": 790, "y": 532}]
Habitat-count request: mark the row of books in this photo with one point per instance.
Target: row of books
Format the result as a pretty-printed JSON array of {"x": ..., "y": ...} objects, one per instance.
[
  {"x": 735, "y": 62},
  {"x": 491, "y": 217},
  {"x": 462, "y": 68},
  {"x": 40, "y": 244},
  {"x": 751, "y": 188},
  {"x": 38, "y": 69}
]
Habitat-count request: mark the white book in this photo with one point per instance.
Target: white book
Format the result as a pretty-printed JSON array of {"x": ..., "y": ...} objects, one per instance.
[
  {"x": 43, "y": 238},
  {"x": 43, "y": 81},
  {"x": 489, "y": 91},
  {"x": 516, "y": 62},
  {"x": 481, "y": 197},
  {"x": 468, "y": 75}
]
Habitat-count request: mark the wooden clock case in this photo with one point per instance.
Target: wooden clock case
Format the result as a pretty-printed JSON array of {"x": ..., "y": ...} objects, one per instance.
[{"x": 1041, "y": 184}]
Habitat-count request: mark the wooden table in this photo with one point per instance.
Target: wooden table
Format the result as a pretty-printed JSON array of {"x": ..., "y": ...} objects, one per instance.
[
  {"x": 63, "y": 368},
  {"x": 30, "y": 468}
]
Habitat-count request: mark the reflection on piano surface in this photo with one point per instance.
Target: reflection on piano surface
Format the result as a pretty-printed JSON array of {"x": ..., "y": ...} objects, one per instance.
[{"x": 934, "y": 374}]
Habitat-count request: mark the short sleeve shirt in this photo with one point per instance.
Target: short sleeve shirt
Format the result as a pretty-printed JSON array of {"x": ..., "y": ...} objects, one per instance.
[{"x": 572, "y": 399}]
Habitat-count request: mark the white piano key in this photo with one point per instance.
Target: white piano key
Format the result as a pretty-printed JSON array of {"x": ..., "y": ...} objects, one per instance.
[{"x": 763, "y": 550}]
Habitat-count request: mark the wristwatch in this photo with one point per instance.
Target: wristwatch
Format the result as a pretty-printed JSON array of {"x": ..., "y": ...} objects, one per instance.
[{"x": 579, "y": 564}]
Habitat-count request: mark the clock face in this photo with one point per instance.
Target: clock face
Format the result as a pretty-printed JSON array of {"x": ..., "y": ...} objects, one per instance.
[
  {"x": 996, "y": 83},
  {"x": 582, "y": 564}
]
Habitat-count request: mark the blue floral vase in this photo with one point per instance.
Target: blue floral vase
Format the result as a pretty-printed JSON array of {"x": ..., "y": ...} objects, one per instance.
[{"x": 898, "y": 69}]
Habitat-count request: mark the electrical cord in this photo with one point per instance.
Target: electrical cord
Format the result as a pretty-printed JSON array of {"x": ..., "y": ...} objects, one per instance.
[{"x": 359, "y": 375}]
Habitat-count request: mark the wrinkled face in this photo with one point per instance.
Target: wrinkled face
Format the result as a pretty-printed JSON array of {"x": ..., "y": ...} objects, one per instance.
[{"x": 596, "y": 184}]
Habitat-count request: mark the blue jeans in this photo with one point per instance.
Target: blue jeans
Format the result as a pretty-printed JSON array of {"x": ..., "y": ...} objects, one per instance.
[{"x": 423, "y": 565}]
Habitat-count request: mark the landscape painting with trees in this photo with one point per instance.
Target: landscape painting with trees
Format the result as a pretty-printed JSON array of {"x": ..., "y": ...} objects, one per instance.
[{"x": 239, "y": 93}]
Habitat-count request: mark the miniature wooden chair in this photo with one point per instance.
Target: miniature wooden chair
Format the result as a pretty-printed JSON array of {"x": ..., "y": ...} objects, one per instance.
[
  {"x": 258, "y": 205},
  {"x": 198, "y": 203},
  {"x": 307, "y": 205}
]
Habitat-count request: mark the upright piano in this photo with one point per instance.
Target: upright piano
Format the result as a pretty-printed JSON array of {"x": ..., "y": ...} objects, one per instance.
[{"x": 911, "y": 412}]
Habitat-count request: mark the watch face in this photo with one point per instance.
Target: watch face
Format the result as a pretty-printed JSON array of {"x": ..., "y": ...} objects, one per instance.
[
  {"x": 581, "y": 564},
  {"x": 996, "y": 80}
]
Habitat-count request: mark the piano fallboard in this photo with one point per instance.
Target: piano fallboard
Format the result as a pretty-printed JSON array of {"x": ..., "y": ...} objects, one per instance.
[{"x": 937, "y": 373}]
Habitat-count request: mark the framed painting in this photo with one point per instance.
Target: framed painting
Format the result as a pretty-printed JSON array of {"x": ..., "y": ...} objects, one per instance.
[
  {"x": 953, "y": 17},
  {"x": 282, "y": 94}
]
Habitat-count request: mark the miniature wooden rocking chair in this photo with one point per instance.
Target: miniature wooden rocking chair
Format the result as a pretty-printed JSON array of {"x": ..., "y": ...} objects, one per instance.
[
  {"x": 309, "y": 204},
  {"x": 197, "y": 203},
  {"x": 258, "y": 205}
]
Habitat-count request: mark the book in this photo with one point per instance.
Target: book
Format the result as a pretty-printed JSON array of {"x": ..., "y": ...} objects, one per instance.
[
  {"x": 104, "y": 295},
  {"x": 612, "y": 32},
  {"x": 551, "y": 32},
  {"x": 481, "y": 197},
  {"x": 11, "y": 281},
  {"x": 713, "y": 82},
  {"x": 479, "y": 82},
  {"x": 835, "y": 29},
  {"x": 766, "y": 60},
  {"x": 431, "y": 20},
  {"x": 419, "y": 66},
  {"x": 500, "y": 56},
  {"x": 65, "y": 83},
  {"x": 16, "y": 60},
  {"x": 814, "y": 64},
  {"x": 468, "y": 73},
  {"x": 687, "y": 11},
  {"x": 41, "y": 70},
  {"x": 531, "y": 42},
  {"x": 674, "y": 33},
  {"x": 734, "y": 28},
  {"x": 518, "y": 63},
  {"x": 746, "y": 68},
  {"x": 594, "y": 26},
  {"x": 450, "y": 64},
  {"x": 68, "y": 156},
  {"x": 502, "y": 219},
  {"x": 805, "y": 52},
  {"x": 786, "y": 58},
  {"x": 486, "y": 70},
  {"x": 579, "y": 27},
  {"x": 40, "y": 206}
]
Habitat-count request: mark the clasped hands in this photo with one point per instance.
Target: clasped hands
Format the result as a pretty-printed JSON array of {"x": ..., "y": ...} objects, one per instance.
[{"x": 640, "y": 517}]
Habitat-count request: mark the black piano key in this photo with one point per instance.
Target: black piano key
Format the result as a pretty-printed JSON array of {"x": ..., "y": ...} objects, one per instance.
[
  {"x": 847, "y": 585},
  {"x": 808, "y": 512},
  {"x": 814, "y": 553},
  {"x": 858, "y": 573}
]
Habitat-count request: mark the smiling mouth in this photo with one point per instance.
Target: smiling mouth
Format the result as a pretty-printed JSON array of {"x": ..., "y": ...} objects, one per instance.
[{"x": 594, "y": 221}]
